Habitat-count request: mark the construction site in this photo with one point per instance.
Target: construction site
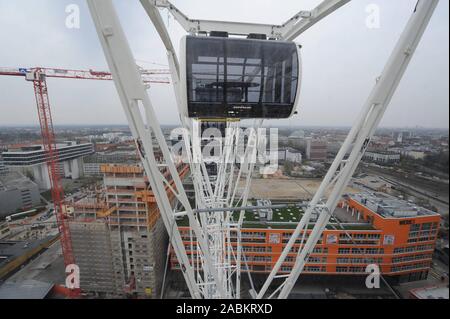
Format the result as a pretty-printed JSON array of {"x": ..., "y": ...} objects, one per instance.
[{"x": 120, "y": 242}]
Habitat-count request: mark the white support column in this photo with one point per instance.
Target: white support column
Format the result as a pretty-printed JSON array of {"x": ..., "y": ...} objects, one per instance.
[
  {"x": 143, "y": 123},
  {"x": 379, "y": 100},
  {"x": 357, "y": 142}
]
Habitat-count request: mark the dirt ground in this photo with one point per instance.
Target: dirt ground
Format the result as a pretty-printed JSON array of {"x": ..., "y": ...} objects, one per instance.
[{"x": 297, "y": 189}]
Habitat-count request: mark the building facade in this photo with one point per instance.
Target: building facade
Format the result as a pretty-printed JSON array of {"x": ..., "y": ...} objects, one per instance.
[
  {"x": 31, "y": 160},
  {"x": 316, "y": 150},
  {"x": 384, "y": 158},
  {"x": 17, "y": 193},
  {"x": 120, "y": 244},
  {"x": 4, "y": 229},
  {"x": 3, "y": 168},
  {"x": 92, "y": 164},
  {"x": 392, "y": 234},
  {"x": 290, "y": 155}
]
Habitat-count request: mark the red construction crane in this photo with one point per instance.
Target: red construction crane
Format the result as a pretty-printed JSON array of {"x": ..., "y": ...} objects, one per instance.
[{"x": 38, "y": 77}]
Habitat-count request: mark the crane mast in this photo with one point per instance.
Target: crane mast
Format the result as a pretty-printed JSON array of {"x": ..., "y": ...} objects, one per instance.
[{"x": 49, "y": 142}]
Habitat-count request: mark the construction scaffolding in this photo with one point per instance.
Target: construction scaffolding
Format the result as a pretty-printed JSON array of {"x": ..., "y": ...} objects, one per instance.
[{"x": 120, "y": 241}]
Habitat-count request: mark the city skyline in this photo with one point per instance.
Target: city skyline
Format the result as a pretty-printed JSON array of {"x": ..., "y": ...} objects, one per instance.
[{"x": 332, "y": 92}]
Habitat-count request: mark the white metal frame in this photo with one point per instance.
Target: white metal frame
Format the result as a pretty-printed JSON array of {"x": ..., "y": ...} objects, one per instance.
[
  {"x": 356, "y": 143},
  {"x": 288, "y": 31},
  {"x": 210, "y": 274},
  {"x": 144, "y": 125}
]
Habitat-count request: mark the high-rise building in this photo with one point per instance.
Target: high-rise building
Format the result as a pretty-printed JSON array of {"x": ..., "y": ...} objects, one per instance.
[
  {"x": 3, "y": 168},
  {"x": 120, "y": 244}
]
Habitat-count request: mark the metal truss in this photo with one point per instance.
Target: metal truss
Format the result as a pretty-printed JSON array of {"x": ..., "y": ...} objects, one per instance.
[{"x": 211, "y": 270}]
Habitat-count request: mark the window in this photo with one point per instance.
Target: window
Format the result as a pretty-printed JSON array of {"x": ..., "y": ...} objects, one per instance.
[{"x": 241, "y": 78}]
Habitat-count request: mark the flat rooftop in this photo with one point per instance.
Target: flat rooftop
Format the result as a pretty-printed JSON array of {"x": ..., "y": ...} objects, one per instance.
[
  {"x": 30, "y": 289},
  {"x": 13, "y": 180},
  {"x": 388, "y": 206},
  {"x": 32, "y": 149},
  {"x": 286, "y": 218},
  {"x": 431, "y": 293},
  {"x": 10, "y": 250}
]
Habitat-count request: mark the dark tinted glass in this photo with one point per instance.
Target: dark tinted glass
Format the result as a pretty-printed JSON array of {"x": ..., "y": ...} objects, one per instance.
[{"x": 241, "y": 78}]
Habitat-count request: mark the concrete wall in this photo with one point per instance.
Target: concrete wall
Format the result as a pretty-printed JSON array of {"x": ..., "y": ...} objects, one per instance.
[
  {"x": 109, "y": 258},
  {"x": 91, "y": 244},
  {"x": 41, "y": 177},
  {"x": 73, "y": 169},
  {"x": 142, "y": 255},
  {"x": 15, "y": 199}
]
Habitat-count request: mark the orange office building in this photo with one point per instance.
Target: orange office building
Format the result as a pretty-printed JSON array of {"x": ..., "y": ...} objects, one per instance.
[{"x": 391, "y": 233}]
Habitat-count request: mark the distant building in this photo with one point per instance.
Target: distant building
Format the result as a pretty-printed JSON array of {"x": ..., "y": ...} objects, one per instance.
[
  {"x": 17, "y": 192},
  {"x": 373, "y": 183},
  {"x": 418, "y": 155},
  {"x": 400, "y": 138},
  {"x": 290, "y": 154},
  {"x": 92, "y": 163},
  {"x": 316, "y": 150},
  {"x": 4, "y": 229},
  {"x": 411, "y": 152},
  {"x": 3, "y": 168},
  {"x": 31, "y": 160},
  {"x": 382, "y": 157}
]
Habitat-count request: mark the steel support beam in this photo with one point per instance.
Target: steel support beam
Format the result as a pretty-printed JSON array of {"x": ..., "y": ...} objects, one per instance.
[{"x": 356, "y": 142}]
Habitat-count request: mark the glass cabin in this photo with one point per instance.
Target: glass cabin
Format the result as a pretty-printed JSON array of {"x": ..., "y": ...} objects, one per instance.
[{"x": 241, "y": 78}]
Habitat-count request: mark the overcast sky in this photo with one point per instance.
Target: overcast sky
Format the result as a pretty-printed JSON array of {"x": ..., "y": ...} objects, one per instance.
[{"x": 341, "y": 60}]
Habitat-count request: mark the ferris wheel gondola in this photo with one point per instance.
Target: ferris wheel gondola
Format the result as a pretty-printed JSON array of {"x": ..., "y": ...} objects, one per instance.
[{"x": 239, "y": 78}]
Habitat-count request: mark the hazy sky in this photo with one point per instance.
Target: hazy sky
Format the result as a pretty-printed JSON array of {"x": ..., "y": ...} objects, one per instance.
[{"x": 341, "y": 60}]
